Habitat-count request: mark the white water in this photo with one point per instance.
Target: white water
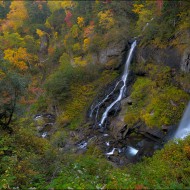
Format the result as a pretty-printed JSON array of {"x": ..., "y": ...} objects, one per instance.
[
  {"x": 123, "y": 79},
  {"x": 131, "y": 151},
  {"x": 111, "y": 153},
  {"x": 44, "y": 135},
  {"x": 184, "y": 126},
  {"x": 82, "y": 145},
  {"x": 101, "y": 102}
]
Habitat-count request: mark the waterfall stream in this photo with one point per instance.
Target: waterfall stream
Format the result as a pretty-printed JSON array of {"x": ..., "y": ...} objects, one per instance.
[
  {"x": 184, "y": 126},
  {"x": 123, "y": 79}
]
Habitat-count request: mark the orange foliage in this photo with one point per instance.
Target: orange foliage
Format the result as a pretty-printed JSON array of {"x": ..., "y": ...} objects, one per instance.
[
  {"x": 51, "y": 50},
  {"x": 140, "y": 187},
  {"x": 88, "y": 31}
]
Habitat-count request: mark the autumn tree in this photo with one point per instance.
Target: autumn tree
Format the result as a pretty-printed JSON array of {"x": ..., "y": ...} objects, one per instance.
[
  {"x": 19, "y": 58},
  {"x": 11, "y": 40},
  {"x": 12, "y": 87},
  {"x": 16, "y": 17},
  {"x": 106, "y": 19}
]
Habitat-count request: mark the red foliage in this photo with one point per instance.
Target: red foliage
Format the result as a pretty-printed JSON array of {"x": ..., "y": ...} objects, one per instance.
[
  {"x": 68, "y": 18},
  {"x": 159, "y": 4},
  {"x": 140, "y": 187}
]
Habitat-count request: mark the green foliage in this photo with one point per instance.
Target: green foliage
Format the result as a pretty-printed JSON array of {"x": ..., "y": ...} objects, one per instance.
[
  {"x": 165, "y": 108},
  {"x": 168, "y": 167},
  {"x": 39, "y": 106},
  {"x": 82, "y": 94},
  {"x": 12, "y": 87},
  {"x": 183, "y": 80},
  {"x": 156, "y": 100},
  {"x": 11, "y": 40},
  {"x": 140, "y": 96},
  {"x": 57, "y": 84},
  {"x": 168, "y": 25},
  {"x": 16, "y": 154},
  {"x": 71, "y": 82},
  {"x": 4, "y": 9},
  {"x": 88, "y": 172}
]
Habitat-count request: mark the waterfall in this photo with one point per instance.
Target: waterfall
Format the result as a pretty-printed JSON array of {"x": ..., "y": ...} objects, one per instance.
[
  {"x": 123, "y": 79},
  {"x": 184, "y": 126},
  {"x": 101, "y": 102}
]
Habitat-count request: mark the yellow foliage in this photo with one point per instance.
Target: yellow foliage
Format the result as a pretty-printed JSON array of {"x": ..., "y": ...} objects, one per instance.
[
  {"x": 2, "y": 3},
  {"x": 56, "y": 5},
  {"x": 82, "y": 95},
  {"x": 97, "y": 1},
  {"x": 67, "y": 4},
  {"x": 39, "y": 32},
  {"x": 106, "y": 19},
  {"x": 17, "y": 57},
  {"x": 86, "y": 44},
  {"x": 75, "y": 31},
  {"x": 137, "y": 8},
  {"x": 16, "y": 16},
  {"x": 80, "y": 21},
  {"x": 79, "y": 61},
  {"x": 76, "y": 47},
  {"x": 145, "y": 13},
  {"x": 47, "y": 24}
]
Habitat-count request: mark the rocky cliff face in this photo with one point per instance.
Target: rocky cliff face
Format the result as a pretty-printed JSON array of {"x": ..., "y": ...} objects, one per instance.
[
  {"x": 169, "y": 56},
  {"x": 177, "y": 56},
  {"x": 185, "y": 61},
  {"x": 111, "y": 56}
]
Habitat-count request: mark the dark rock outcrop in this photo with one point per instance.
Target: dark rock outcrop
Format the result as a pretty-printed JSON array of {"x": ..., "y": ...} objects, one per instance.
[
  {"x": 185, "y": 61},
  {"x": 169, "y": 56}
]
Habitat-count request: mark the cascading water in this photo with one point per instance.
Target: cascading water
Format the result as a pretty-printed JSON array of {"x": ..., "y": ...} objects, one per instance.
[
  {"x": 184, "y": 126},
  {"x": 101, "y": 102},
  {"x": 123, "y": 79}
]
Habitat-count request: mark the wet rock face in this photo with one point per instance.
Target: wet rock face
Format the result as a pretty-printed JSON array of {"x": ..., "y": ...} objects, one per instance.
[
  {"x": 120, "y": 151},
  {"x": 45, "y": 124}
]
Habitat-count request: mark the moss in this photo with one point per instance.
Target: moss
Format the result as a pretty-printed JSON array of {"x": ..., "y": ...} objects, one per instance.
[
  {"x": 82, "y": 95},
  {"x": 165, "y": 108},
  {"x": 140, "y": 97},
  {"x": 183, "y": 79},
  {"x": 156, "y": 100}
]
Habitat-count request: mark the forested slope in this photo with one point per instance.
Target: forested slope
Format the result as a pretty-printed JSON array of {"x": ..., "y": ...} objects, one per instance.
[{"x": 59, "y": 57}]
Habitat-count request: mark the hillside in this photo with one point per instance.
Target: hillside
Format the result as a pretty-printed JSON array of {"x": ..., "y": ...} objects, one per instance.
[{"x": 92, "y": 94}]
